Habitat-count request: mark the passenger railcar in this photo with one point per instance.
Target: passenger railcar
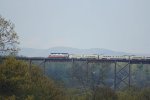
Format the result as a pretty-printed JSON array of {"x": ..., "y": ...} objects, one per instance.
[
  {"x": 75, "y": 56},
  {"x": 137, "y": 57},
  {"x": 59, "y": 55},
  {"x": 148, "y": 58},
  {"x": 91, "y": 56}
]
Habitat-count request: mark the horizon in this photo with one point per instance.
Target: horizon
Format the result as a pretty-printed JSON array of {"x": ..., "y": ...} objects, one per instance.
[{"x": 145, "y": 54}]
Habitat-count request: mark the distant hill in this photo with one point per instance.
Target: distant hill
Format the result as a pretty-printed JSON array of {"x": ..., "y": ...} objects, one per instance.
[{"x": 30, "y": 52}]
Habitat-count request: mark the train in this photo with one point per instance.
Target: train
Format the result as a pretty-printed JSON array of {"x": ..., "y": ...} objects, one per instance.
[{"x": 96, "y": 56}]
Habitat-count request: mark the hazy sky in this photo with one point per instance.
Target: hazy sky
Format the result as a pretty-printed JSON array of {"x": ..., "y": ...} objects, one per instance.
[{"x": 121, "y": 25}]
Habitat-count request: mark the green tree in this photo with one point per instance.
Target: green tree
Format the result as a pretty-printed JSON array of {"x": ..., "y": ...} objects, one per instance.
[
  {"x": 19, "y": 82},
  {"x": 8, "y": 37}
]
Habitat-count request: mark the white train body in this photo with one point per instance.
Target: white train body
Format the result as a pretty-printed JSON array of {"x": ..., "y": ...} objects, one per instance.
[
  {"x": 96, "y": 56},
  {"x": 91, "y": 56},
  {"x": 104, "y": 57},
  {"x": 83, "y": 56},
  {"x": 147, "y": 57},
  {"x": 112, "y": 57},
  {"x": 75, "y": 56},
  {"x": 137, "y": 57}
]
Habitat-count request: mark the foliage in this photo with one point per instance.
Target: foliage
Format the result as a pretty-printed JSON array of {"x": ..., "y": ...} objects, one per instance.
[
  {"x": 18, "y": 81},
  {"x": 8, "y": 37},
  {"x": 76, "y": 94},
  {"x": 104, "y": 93},
  {"x": 101, "y": 93},
  {"x": 79, "y": 75},
  {"x": 145, "y": 94},
  {"x": 140, "y": 75},
  {"x": 134, "y": 94},
  {"x": 89, "y": 82}
]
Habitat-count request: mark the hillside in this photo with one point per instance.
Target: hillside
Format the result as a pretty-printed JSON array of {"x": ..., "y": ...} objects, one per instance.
[{"x": 31, "y": 52}]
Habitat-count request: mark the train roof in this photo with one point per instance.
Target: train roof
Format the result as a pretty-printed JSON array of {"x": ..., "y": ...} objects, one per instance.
[{"x": 59, "y": 53}]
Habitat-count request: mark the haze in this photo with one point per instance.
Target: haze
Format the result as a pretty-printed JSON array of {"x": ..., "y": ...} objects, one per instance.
[{"x": 120, "y": 25}]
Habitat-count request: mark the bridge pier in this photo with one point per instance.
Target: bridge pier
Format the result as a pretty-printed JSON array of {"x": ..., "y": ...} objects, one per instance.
[
  {"x": 87, "y": 70},
  {"x": 129, "y": 74},
  {"x": 44, "y": 72},
  {"x": 115, "y": 75},
  {"x": 72, "y": 68},
  {"x": 121, "y": 75},
  {"x": 30, "y": 63}
]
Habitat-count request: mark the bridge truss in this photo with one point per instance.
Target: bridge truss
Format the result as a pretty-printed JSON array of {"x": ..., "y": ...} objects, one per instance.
[{"x": 122, "y": 74}]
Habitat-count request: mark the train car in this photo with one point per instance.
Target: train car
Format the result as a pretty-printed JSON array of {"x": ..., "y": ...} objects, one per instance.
[
  {"x": 104, "y": 57},
  {"x": 91, "y": 56},
  {"x": 59, "y": 55},
  {"x": 75, "y": 56},
  {"x": 120, "y": 57},
  {"x": 112, "y": 57},
  {"x": 147, "y": 57},
  {"x": 137, "y": 57}
]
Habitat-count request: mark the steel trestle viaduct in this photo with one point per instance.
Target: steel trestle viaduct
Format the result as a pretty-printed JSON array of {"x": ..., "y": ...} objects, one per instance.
[{"x": 119, "y": 75}]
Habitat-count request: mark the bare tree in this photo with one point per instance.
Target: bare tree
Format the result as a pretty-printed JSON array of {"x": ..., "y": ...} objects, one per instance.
[{"x": 8, "y": 37}]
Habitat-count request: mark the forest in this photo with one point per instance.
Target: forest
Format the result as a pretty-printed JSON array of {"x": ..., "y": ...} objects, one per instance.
[{"x": 64, "y": 82}]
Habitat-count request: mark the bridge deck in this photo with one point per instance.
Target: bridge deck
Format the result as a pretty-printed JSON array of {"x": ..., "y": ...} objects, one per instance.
[{"x": 142, "y": 61}]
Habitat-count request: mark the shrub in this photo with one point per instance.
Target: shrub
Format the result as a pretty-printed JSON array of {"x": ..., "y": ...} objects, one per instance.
[{"x": 104, "y": 93}]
